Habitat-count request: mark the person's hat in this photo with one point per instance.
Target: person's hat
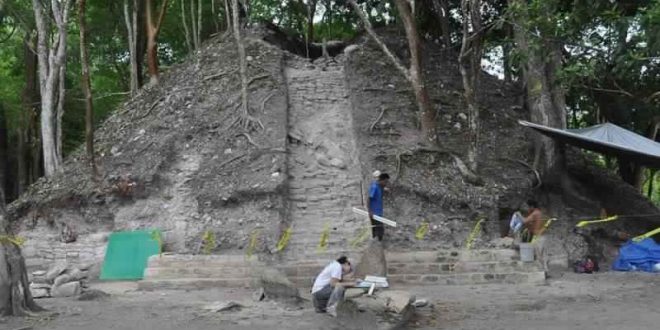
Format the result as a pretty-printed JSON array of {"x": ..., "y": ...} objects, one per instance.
[{"x": 376, "y": 174}]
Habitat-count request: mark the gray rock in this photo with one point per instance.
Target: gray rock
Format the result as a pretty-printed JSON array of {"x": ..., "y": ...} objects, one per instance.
[
  {"x": 420, "y": 303},
  {"x": 276, "y": 286},
  {"x": 76, "y": 274},
  {"x": 89, "y": 295},
  {"x": 397, "y": 301},
  {"x": 372, "y": 261},
  {"x": 55, "y": 271},
  {"x": 39, "y": 273},
  {"x": 39, "y": 286},
  {"x": 338, "y": 163},
  {"x": 62, "y": 279},
  {"x": 39, "y": 293},
  {"x": 66, "y": 290},
  {"x": 223, "y": 306}
]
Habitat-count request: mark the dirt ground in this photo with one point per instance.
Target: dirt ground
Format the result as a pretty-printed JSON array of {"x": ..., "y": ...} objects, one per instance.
[{"x": 569, "y": 301}]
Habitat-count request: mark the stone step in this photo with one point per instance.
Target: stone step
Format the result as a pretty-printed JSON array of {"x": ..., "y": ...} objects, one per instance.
[
  {"x": 452, "y": 256},
  {"x": 469, "y": 278},
  {"x": 198, "y": 271},
  {"x": 462, "y": 267},
  {"x": 193, "y": 283},
  {"x": 179, "y": 260}
]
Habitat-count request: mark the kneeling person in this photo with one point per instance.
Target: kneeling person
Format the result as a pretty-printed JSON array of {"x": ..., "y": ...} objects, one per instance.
[{"x": 328, "y": 287}]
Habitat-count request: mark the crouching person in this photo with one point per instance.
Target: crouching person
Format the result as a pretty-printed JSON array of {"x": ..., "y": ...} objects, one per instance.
[{"x": 329, "y": 285}]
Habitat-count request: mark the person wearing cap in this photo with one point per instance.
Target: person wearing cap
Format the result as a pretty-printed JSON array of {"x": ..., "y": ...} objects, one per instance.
[
  {"x": 329, "y": 286},
  {"x": 375, "y": 204}
]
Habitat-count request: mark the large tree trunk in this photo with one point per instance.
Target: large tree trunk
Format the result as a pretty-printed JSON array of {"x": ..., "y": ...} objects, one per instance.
[
  {"x": 186, "y": 29},
  {"x": 545, "y": 98},
  {"x": 4, "y": 169},
  {"x": 15, "y": 296},
  {"x": 130, "y": 20},
  {"x": 441, "y": 9},
  {"x": 193, "y": 24},
  {"x": 52, "y": 59},
  {"x": 414, "y": 75},
  {"x": 228, "y": 15},
  {"x": 470, "y": 67},
  {"x": 199, "y": 24},
  {"x": 153, "y": 29},
  {"x": 25, "y": 132},
  {"x": 86, "y": 85},
  {"x": 427, "y": 114},
  {"x": 311, "y": 11}
]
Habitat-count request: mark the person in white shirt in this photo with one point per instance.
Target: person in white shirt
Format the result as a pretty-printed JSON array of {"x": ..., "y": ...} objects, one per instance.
[{"x": 328, "y": 288}]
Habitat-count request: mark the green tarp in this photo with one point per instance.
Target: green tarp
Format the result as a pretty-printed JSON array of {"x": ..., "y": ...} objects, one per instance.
[{"x": 127, "y": 254}]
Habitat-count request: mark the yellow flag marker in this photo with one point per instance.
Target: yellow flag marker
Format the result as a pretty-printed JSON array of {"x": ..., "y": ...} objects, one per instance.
[
  {"x": 155, "y": 235},
  {"x": 422, "y": 230},
  {"x": 284, "y": 240},
  {"x": 473, "y": 234},
  {"x": 361, "y": 237},
  {"x": 18, "y": 241},
  {"x": 253, "y": 243},
  {"x": 323, "y": 242},
  {"x": 589, "y": 222}
]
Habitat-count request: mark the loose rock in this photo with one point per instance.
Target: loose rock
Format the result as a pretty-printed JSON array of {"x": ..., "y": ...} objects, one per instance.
[{"x": 66, "y": 290}]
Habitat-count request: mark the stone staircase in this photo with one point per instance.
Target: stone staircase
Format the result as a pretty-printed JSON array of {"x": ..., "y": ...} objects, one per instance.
[
  {"x": 189, "y": 272},
  {"x": 323, "y": 167},
  {"x": 444, "y": 267},
  {"x": 464, "y": 267}
]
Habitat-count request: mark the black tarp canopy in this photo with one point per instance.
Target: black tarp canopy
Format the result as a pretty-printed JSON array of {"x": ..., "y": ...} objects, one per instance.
[{"x": 608, "y": 139}]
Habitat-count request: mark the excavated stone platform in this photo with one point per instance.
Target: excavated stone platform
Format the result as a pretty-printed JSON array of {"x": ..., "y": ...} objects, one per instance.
[{"x": 446, "y": 267}]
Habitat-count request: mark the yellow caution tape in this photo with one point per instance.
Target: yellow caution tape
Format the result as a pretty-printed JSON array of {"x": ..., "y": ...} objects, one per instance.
[
  {"x": 473, "y": 234},
  {"x": 155, "y": 235},
  {"x": 647, "y": 235},
  {"x": 254, "y": 240},
  {"x": 18, "y": 241},
  {"x": 589, "y": 222},
  {"x": 422, "y": 230},
  {"x": 361, "y": 236},
  {"x": 209, "y": 242},
  {"x": 323, "y": 242},
  {"x": 284, "y": 240}
]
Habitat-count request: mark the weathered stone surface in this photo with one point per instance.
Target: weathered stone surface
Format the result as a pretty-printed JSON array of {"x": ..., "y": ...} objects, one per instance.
[
  {"x": 372, "y": 261},
  {"x": 89, "y": 295},
  {"x": 397, "y": 301},
  {"x": 76, "y": 274},
  {"x": 62, "y": 279},
  {"x": 276, "y": 285},
  {"x": 39, "y": 273},
  {"x": 66, "y": 290},
  {"x": 55, "y": 271},
  {"x": 384, "y": 310},
  {"x": 40, "y": 286},
  {"x": 221, "y": 306},
  {"x": 39, "y": 293}
]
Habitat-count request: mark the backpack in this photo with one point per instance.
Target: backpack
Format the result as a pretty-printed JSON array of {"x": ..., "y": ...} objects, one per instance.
[{"x": 587, "y": 265}]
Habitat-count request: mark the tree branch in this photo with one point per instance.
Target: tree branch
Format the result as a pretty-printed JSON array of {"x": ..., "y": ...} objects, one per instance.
[{"x": 376, "y": 39}]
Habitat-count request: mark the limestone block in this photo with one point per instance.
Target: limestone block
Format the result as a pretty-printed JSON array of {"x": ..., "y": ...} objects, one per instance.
[
  {"x": 55, "y": 271},
  {"x": 62, "y": 279},
  {"x": 66, "y": 290}
]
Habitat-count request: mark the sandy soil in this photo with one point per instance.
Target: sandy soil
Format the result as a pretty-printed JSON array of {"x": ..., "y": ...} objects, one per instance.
[{"x": 568, "y": 301}]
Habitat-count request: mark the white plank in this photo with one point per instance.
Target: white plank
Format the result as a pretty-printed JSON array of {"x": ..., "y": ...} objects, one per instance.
[{"x": 376, "y": 217}]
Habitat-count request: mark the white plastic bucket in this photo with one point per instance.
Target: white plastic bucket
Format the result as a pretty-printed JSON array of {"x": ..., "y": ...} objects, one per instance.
[{"x": 526, "y": 252}]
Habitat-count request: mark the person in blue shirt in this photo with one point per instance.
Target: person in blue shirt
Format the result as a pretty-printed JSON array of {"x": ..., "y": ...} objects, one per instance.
[{"x": 376, "y": 204}]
